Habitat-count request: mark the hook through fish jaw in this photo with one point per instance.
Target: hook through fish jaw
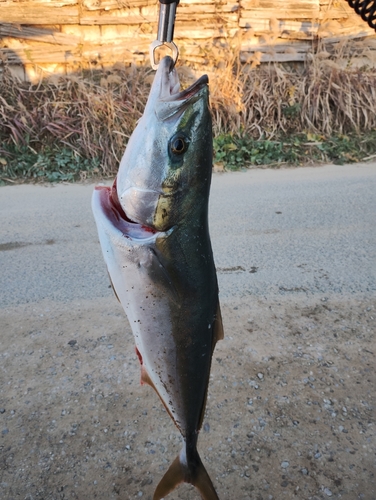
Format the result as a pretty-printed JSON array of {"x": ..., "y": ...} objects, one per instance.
[{"x": 171, "y": 45}]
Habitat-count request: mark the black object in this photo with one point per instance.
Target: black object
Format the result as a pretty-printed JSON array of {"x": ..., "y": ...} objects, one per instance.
[
  {"x": 166, "y": 24},
  {"x": 366, "y": 9}
]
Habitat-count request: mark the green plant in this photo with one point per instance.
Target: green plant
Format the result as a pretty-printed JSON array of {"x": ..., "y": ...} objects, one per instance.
[
  {"x": 236, "y": 152},
  {"x": 52, "y": 165}
]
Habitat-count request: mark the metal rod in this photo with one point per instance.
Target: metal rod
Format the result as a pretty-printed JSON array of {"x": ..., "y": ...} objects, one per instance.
[
  {"x": 166, "y": 25},
  {"x": 166, "y": 22}
]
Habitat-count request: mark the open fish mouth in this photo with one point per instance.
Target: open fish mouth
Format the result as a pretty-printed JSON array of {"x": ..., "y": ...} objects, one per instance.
[
  {"x": 115, "y": 214},
  {"x": 170, "y": 83},
  {"x": 192, "y": 90}
]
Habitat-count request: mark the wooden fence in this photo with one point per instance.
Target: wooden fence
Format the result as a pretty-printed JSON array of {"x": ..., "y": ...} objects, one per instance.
[{"x": 62, "y": 35}]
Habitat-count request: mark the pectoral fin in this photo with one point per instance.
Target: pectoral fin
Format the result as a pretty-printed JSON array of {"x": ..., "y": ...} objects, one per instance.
[
  {"x": 161, "y": 277},
  {"x": 112, "y": 285}
]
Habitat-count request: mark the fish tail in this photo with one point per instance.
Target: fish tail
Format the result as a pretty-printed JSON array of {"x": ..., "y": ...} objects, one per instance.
[
  {"x": 192, "y": 472},
  {"x": 203, "y": 482}
]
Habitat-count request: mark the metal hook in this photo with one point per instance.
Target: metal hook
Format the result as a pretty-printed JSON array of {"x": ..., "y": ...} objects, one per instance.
[
  {"x": 166, "y": 24},
  {"x": 154, "y": 45}
]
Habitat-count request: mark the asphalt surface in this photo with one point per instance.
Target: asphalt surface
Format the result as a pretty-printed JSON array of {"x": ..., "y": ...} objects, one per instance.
[
  {"x": 291, "y": 231},
  {"x": 290, "y": 409}
]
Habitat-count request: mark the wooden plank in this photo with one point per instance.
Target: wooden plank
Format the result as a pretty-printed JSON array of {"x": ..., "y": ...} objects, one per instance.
[
  {"x": 184, "y": 30},
  {"x": 99, "y": 55},
  {"x": 38, "y": 12},
  {"x": 119, "y": 32},
  {"x": 37, "y": 34},
  {"x": 84, "y": 33},
  {"x": 277, "y": 9},
  {"x": 338, "y": 14},
  {"x": 335, "y": 9},
  {"x": 194, "y": 3},
  {"x": 350, "y": 36},
  {"x": 279, "y": 51},
  {"x": 283, "y": 57},
  {"x": 278, "y": 47},
  {"x": 347, "y": 28},
  {"x": 305, "y": 30},
  {"x": 194, "y": 32},
  {"x": 247, "y": 17},
  {"x": 94, "y": 53},
  {"x": 114, "y": 53},
  {"x": 115, "y": 4},
  {"x": 108, "y": 18},
  {"x": 51, "y": 3},
  {"x": 276, "y": 5},
  {"x": 118, "y": 16},
  {"x": 32, "y": 55},
  {"x": 122, "y": 4},
  {"x": 123, "y": 17},
  {"x": 193, "y": 9},
  {"x": 284, "y": 28},
  {"x": 128, "y": 26},
  {"x": 149, "y": 14}
]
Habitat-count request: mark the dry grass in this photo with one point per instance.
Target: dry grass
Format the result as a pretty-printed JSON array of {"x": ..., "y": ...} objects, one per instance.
[
  {"x": 94, "y": 114},
  {"x": 330, "y": 93},
  {"x": 321, "y": 98}
]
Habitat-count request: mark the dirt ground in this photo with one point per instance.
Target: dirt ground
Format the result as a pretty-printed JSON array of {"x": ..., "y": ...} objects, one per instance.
[{"x": 290, "y": 412}]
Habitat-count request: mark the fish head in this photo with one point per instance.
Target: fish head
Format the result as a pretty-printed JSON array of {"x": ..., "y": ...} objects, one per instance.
[{"x": 165, "y": 172}]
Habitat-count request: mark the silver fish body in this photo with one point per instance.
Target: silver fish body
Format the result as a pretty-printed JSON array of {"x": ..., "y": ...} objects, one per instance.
[{"x": 153, "y": 230}]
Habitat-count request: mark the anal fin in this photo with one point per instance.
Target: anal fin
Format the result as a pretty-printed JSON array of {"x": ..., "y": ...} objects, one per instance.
[
  {"x": 146, "y": 379},
  {"x": 218, "y": 333}
]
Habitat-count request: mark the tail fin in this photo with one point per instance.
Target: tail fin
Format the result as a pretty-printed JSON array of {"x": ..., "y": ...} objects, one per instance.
[{"x": 180, "y": 471}]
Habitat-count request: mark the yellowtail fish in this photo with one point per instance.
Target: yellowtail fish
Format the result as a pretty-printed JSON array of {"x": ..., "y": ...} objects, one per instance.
[{"x": 153, "y": 229}]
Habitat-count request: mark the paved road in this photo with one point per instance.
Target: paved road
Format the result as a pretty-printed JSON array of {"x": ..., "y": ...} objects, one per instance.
[{"x": 291, "y": 231}]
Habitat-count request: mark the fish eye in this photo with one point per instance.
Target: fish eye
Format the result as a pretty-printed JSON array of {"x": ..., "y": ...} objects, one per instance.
[{"x": 179, "y": 144}]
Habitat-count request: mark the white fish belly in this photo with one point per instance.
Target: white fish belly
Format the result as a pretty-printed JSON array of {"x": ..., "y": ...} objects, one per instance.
[{"x": 145, "y": 296}]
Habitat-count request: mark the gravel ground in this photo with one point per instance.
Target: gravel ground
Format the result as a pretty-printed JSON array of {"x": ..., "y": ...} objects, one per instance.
[
  {"x": 290, "y": 408},
  {"x": 290, "y": 412}
]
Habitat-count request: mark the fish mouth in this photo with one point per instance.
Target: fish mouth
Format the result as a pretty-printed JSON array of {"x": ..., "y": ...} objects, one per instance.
[
  {"x": 194, "y": 89},
  {"x": 171, "y": 84},
  {"x": 116, "y": 215},
  {"x": 166, "y": 98}
]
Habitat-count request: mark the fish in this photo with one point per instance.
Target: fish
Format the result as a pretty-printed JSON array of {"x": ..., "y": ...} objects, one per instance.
[{"x": 153, "y": 230}]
